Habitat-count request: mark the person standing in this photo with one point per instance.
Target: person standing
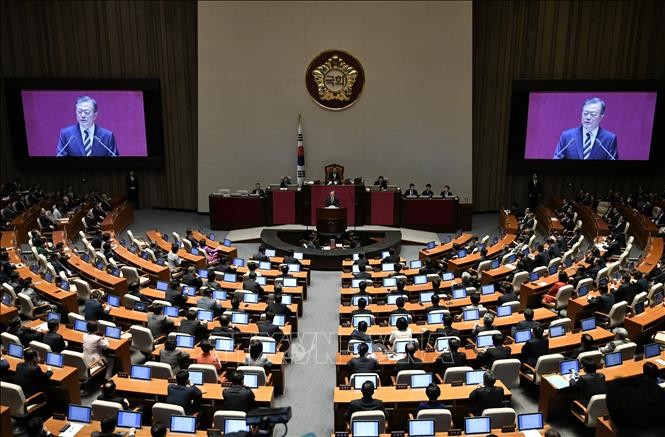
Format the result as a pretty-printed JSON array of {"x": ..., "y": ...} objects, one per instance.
[
  {"x": 535, "y": 192},
  {"x": 133, "y": 189}
]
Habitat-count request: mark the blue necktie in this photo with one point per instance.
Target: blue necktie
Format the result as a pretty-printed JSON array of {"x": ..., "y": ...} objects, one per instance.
[
  {"x": 587, "y": 146},
  {"x": 87, "y": 142}
]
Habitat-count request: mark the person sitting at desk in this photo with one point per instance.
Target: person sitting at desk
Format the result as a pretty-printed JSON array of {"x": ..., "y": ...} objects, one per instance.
[
  {"x": 158, "y": 323},
  {"x": 334, "y": 178},
  {"x": 410, "y": 362},
  {"x": 392, "y": 257},
  {"x": 436, "y": 299},
  {"x": 95, "y": 307},
  {"x": 183, "y": 393},
  {"x": 109, "y": 395},
  {"x": 258, "y": 191},
  {"x": 475, "y": 303},
  {"x": 206, "y": 302},
  {"x": 24, "y": 333},
  {"x": 361, "y": 260},
  {"x": 401, "y": 285},
  {"x": 591, "y": 383},
  {"x": 604, "y": 302},
  {"x": 488, "y": 325},
  {"x": 399, "y": 303},
  {"x": 586, "y": 345},
  {"x": 108, "y": 425},
  {"x": 284, "y": 182},
  {"x": 193, "y": 327},
  {"x": 30, "y": 376},
  {"x": 432, "y": 392},
  {"x": 52, "y": 338},
  {"x": 238, "y": 397},
  {"x": 225, "y": 328},
  {"x": 360, "y": 333},
  {"x": 362, "y": 308},
  {"x": 430, "y": 268},
  {"x": 650, "y": 372},
  {"x": 446, "y": 331},
  {"x": 94, "y": 346},
  {"x": 290, "y": 259},
  {"x": 41, "y": 306},
  {"x": 397, "y": 270},
  {"x": 267, "y": 328},
  {"x": 497, "y": 352},
  {"x": 486, "y": 395},
  {"x": 620, "y": 338},
  {"x": 382, "y": 183},
  {"x": 332, "y": 200},
  {"x": 173, "y": 260},
  {"x": 446, "y": 192},
  {"x": 35, "y": 428},
  {"x": 535, "y": 347},
  {"x": 366, "y": 403},
  {"x": 172, "y": 356},
  {"x": 261, "y": 254},
  {"x": 627, "y": 291},
  {"x": 209, "y": 356},
  {"x": 403, "y": 332},
  {"x": 451, "y": 357},
  {"x": 507, "y": 294},
  {"x": 191, "y": 278},
  {"x": 250, "y": 284},
  {"x": 428, "y": 191},
  {"x": 362, "y": 363},
  {"x": 411, "y": 192},
  {"x": 362, "y": 272},
  {"x": 562, "y": 280},
  {"x": 174, "y": 295},
  {"x": 277, "y": 307},
  {"x": 256, "y": 357},
  {"x": 527, "y": 323},
  {"x": 542, "y": 258}
]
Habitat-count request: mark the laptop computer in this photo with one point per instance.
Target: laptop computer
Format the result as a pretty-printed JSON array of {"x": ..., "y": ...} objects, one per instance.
[
  {"x": 557, "y": 331},
  {"x": 474, "y": 377},
  {"x": 250, "y": 298},
  {"x": 188, "y": 290},
  {"x": 459, "y": 293},
  {"x": 196, "y": 377},
  {"x": 471, "y": 315},
  {"x": 354, "y": 346},
  {"x": 224, "y": 344},
  {"x": 522, "y": 336},
  {"x": 391, "y": 299},
  {"x": 487, "y": 289},
  {"x": 239, "y": 262},
  {"x": 651, "y": 350},
  {"x": 183, "y": 424},
  {"x": 426, "y": 296},
  {"x": 162, "y": 286},
  {"x": 298, "y": 255},
  {"x": 294, "y": 268},
  {"x": 442, "y": 344},
  {"x": 421, "y": 380},
  {"x": 235, "y": 425},
  {"x": 416, "y": 264},
  {"x": 534, "y": 276},
  {"x": 290, "y": 282},
  {"x": 420, "y": 279},
  {"x": 80, "y": 325},
  {"x": 230, "y": 277},
  {"x": 269, "y": 347},
  {"x": 219, "y": 295},
  {"x": 435, "y": 318},
  {"x": 279, "y": 320},
  {"x": 143, "y": 373},
  {"x": 361, "y": 317},
  {"x": 265, "y": 265},
  {"x": 365, "y": 428},
  {"x": 390, "y": 282},
  {"x": 112, "y": 332},
  {"x": 52, "y": 315},
  {"x": 461, "y": 253},
  {"x": 582, "y": 291},
  {"x": 251, "y": 380},
  {"x": 430, "y": 245},
  {"x": 129, "y": 419},
  {"x": 388, "y": 267},
  {"x": 227, "y": 242},
  {"x": 495, "y": 264},
  {"x": 484, "y": 341},
  {"x": 55, "y": 360},
  {"x": 552, "y": 270},
  {"x": 186, "y": 341},
  {"x": 203, "y": 273},
  {"x": 240, "y": 318},
  {"x": 529, "y": 421},
  {"x": 113, "y": 300},
  {"x": 171, "y": 311},
  {"x": 588, "y": 324},
  {"x": 421, "y": 428},
  {"x": 15, "y": 350},
  {"x": 447, "y": 276},
  {"x": 392, "y": 321},
  {"x": 613, "y": 359},
  {"x": 79, "y": 413},
  {"x": 639, "y": 307},
  {"x": 141, "y": 307},
  {"x": 566, "y": 366},
  {"x": 477, "y": 425},
  {"x": 504, "y": 310}
]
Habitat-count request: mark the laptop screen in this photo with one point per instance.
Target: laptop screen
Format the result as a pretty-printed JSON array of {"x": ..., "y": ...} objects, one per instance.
[
  {"x": 205, "y": 315},
  {"x": 298, "y": 255},
  {"x": 140, "y": 372},
  {"x": 49, "y": 277},
  {"x": 15, "y": 350},
  {"x": 354, "y": 346},
  {"x": 64, "y": 285},
  {"x": 533, "y": 276},
  {"x": 184, "y": 424},
  {"x": 229, "y": 277},
  {"x": 487, "y": 289},
  {"x": 388, "y": 267},
  {"x": 512, "y": 258},
  {"x": 355, "y": 268},
  {"x": 390, "y": 282},
  {"x": 421, "y": 428},
  {"x": 365, "y": 428},
  {"x": 141, "y": 306},
  {"x": 391, "y": 299},
  {"x": 219, "y": 295},
  {"x": 79, "y": 413},
  {"x": 113, "y": 300},
  {"x": 639, "y": 307},
  {"x": 426, "y": 297},
  {"x": 447, "y": 276},
  {"x": 250, "y": 298},
  {"x": 420, "y": 279},
  {"x": 240, "y": 318},
  {"x": 421, "y": 380},
  {"x": 435, "y": 318},
  {"x": 186, "y": 341},
  {"x": 442, "y": 344},
  {"x": 227, "y": 242},
  {"x": 461, "y": 253},
  {"x": 582, "y": 291},
  {"x": 484, "y": 341},
  {"x": 651, "y": 350},
  {"x": 471, "y": 315},
  {"x": 188, "y": 290},
  {"x": 251, "y": 380},
  {"x": 224, "y": 344},
  {"x": 416, "y": 264},
  {"x": 588, "y": 324},
  {"x": 495, "y": 264},
  {"x": 279, "y": 320},
  {"x": 504, "y": 310},
  {"x": 474, "y": 377},
  {"x": 522, "y": 336},
  {"x": 552, "y": 270},
  {"x": 171, "y": 311},
  {"x": 557, "y": 331},
  {"x": 658, "y": 298},
  {"x": 6, "y": 299},
  {"x": 400, "y": 346},
  {"x": 162, "y": 286},
  {"x": 80, "y": 325},
  {"x": 477, "y": 425},
  {"x": 287, "y": 299},
  {"x": 203, "y": 273},
  {"x": 529, "y": 421},
  {"x": 459, "y": 293},
  {"x": 294, "y": 267},
  {"x": 211, "y": 236},
  {"x": 264, "y": 265},
  {"x": 567, "y": 365},
  {"x": 235, "y": 425},
  {"x": 112, "y": 332},
  {"x": 269, "y": 347},
  {"x": 290, "y": 282},
  {"x": 52, "y": 316},
  {"x": 395, "y": 317},
  {"x": 53, "y": 359},
  {"x": 430, "y": 245},
  {"x": 129, "y": 419},
  {"x": 196, "y": 377},
  {"x": 239, "y": 262},
  {"x": 613, "y": 359},
  {"x": 261, "y": 280}
]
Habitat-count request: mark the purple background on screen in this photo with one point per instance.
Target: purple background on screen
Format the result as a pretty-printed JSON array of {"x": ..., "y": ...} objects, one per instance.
[
  {"x": 121, "y": 112},
  {"x": 629, "y": 115}
]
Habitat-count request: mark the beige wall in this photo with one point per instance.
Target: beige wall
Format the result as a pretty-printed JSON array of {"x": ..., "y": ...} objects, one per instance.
[{"x": 412, "y": 122}]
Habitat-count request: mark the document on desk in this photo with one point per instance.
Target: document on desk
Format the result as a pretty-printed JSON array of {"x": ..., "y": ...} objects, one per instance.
[
  {"x": 73, "y": 429},
  {"x": 557, "y": 381},
  {"x": 532, "y": 433},
  {"x": 542, "y": 283},
  {"x": 660, "y": 361}
]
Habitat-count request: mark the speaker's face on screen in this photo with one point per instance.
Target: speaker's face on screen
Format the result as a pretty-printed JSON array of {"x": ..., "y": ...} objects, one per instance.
[
  {"x": 85, "y": 114},
  {"x": 591, "y": 116}
]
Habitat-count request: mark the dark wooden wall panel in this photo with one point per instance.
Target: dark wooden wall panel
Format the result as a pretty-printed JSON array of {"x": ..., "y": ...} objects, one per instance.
[
  {"x": 553, "y": 40},
  {"x": 114, "y": 39}
]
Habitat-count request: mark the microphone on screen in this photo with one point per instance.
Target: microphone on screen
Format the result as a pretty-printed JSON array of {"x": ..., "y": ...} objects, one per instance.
[
  {"x": 556, "y": 155},
  {"x": 59, "y": 154},
  {"x": 109, "y": 150},
  {"x": 612, "y": 157}
]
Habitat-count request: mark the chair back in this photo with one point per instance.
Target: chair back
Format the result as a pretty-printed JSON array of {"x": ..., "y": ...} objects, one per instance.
[
  {"x": 10, "y": 291},
  {"x": 442, "y": 418},
  {"x": 507, "y": 371},
  {"x": 162, "y": 412},
  {"x": 554, "y": 262},
  {"x": 82, "y": 289},
  {"x": 142, "y": 338},
  {"x": 370, "y": 415},
  {"x": 602, "y": 273},
  {"x": 586, "y": 282},
  {"x": 596, "y": 355},
  {"x": 404, "y": 376},
  {"x": 453, "y": 374},
  {"x": 221, "y": 415},
  {"x": 40, "y": 348},
  {"x": 72, "y": 316},
  {"x": 617, "y": 314},
  {"x": 13, "y": 397},
  {"x": 259, "y": 371},
  {"x": 500, "y": 417},
  {"x": 130, "y": 273},
  {"x": 627, "y": 350},
  {"x": 655, "y": 288},
  {"x": 75, "y": 359},
  {"x": 546, "y": 364},
  {"x": 563, "y": 296},
  {"x": 566, "y": 321},
  {"x": 209, "y": 372},
  {"x": 483, "y": 266},
  {"x": 514, "y": 305},
  {"x": 101, "y": 409},
  {"x": 639, "y": 297},
  {"x": 130, "y": 300},
  {"x": 542, "y": 271},
  {"x": 8, "y": 338},
  {"x": 596, "y": 408},
  {"x": 160, "y": 370},
  {"x": 26, "y": 307},
  {"x": 519, "y": 279}
]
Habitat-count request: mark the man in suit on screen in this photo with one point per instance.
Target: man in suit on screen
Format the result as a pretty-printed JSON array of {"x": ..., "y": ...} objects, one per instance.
[
  {"x": 86, "y": 138},
  {"x": 589, "y": 141}
]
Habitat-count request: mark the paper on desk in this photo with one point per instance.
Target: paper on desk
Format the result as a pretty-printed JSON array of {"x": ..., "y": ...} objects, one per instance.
[
  {"x": 510, "y": 266},
  {"x": 542, "y": 283},
  {"x": 532, "y": 433},
  {"x": 660, "y": 361},
  {"x": 557, "y": 381},
  {"x": 42, "y": 326},
  {"x": 396, "y": 357},
  {"x": 73, "y": 429}
]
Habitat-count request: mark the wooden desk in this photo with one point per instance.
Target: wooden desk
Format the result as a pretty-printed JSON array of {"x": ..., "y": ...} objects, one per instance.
[
  {"x": 436, "y": 215},
  {"x": 405, "y": 401},
  {"x": 120, "y": 347},
  {"x": 645, "y": 324},
  {"x": 531, "y": 292},
  {"x": 508, "y": 223},
  {"x": 604, "y": 428},
  {"x": 495, "y": 275},
  {"x": 459, "y": 264},
  {"x": 5, "y": 421},
  {"x": 548, "y": 221},
  {"x": 54, "y": 426},
  {"x": 409, "y": 289},
  {"x": 553, "y": 401},
  {"x": 156, "y": 237},
  {"x": 440, "y": 250},
  {"x": 652, "y": 253},
  {"x": 347, "y": 264},
  {"x": 119, "y": 218},
  {"x": 7, "y": 313},
  {"x": 592, "y": 225},
  {"x": 64, "y": 377},
  {"x": 153, "y": 270},
  {"x": 229, "y": 251},
  {"x": 640, "y": 226}
]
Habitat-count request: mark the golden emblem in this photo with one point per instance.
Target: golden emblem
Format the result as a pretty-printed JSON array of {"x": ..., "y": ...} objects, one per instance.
[{"x": 334, "y": 79}]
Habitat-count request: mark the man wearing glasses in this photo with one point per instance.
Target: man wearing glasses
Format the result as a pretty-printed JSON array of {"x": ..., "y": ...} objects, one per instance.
[
  {"x": 589, "y": 141},
  {"x": 85, "y": 138}
]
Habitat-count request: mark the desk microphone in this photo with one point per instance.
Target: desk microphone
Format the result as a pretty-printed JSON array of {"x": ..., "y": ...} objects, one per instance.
[
  {"x": 59, "y": 154},
  {"x": 109, "y": 150},
  {"x": 612, "y": 157},
  {"x": 561, "y": 151}
]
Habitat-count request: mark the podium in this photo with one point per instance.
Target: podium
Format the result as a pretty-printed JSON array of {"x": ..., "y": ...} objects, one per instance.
[{"x": 331, "y": 220}]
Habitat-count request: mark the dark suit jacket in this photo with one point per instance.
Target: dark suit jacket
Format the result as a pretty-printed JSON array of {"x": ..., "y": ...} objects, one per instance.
[
  {"x": 534, "y": 348},
  {"x": 589, "y": 385},
  {"x": 508, "y": 297},
  {"x": 363, "y": 365},
  {"x": 193, "y": 328},
  {"x": 269, "y": 330},
  {"x": 450, "y": 359},
  {"x": 70, "y": 142},
  {"x": 571, "y": 145},
  {"x": 492, "y": 354},
  {"x": 408, "y": 363},
  {"x": 364, "y": 405},
  {"x": 238, "y": 398},
  {"x": 186, "y": 397},
  {"x": 332, "y": 202},
  {"x": 31, "y": 378},
  {"x": 93, "y": 310},
  {"x": 175, "y": 297},
  {"x": 54, "y": 340},
  {"x": 604, "y": 302},
  {"x": 486, "y": 397}
]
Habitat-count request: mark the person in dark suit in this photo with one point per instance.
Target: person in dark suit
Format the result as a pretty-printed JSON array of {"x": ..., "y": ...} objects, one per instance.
[
  {"x": 332, "y": 200},
  {"x": 433, "y": 392},
  {"x": 52, "y": 338},
  {"x": 277, "y": 307},
  {"x": 392, "y": 257},
  {"x": 535, "y": 191},
  {"x": 535, "y": 347},
  {"x": 109, "y": 395},
  {"x": 268, "y": 329},
  {"x": 446, "y": 331},
  {"x": 133, "y": 189},
  {"x": 486, "y": 395},
  {"x": 183, "y": 393},
  {"x": 586, "y": 345},
  {"x": 451, "y": 358},
  {"x": 258, "y": 190},
  {"x": 108, "y": 425},
  {"x": 427, "y": 192},
  {"x": 261, "y": 254},
  {"x": 86, "y": 138},
  {"x": 193, "y": 327},
  {"x": 360, "y": 333},
  {"x": 362, "y": 363},
  {"x": 497, "y": 352},
  {"x": 508, "y": 294},
  {"x": 411, "y": 191},
  {"x": 626, "y": 291},
  {"x": 238, "y": 397},
  {"x": 361, "y": 260},
  {"x": 30, "y": 376},
  {"x": 436, "y": 306},
  {"x": 174, "y": 295},
  {"x": 158, "y": 323},
  {"x": 410, "y": 362},
  {"x": 604, "y": 302},
  {"x": 589, "y": 141},
  {"x": 362, "y": 272},
  {"x": 191, "y": 278},
  {"x": 542, "y": 258},
  {"x": 334, "y": 178},
  {"x": 362, "y": 308},
  {"x": 488, "y": 325},
  {"x": 382, "y": 183},
  {"x": 446, "y": 192},
  {"x": 366, "y": 403},
  {"x": 527, "y": 323},
  {"x": 94, "y": 308},
  {"x": 399, "y": 302},
  {"x": 591, "y": 383}
]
